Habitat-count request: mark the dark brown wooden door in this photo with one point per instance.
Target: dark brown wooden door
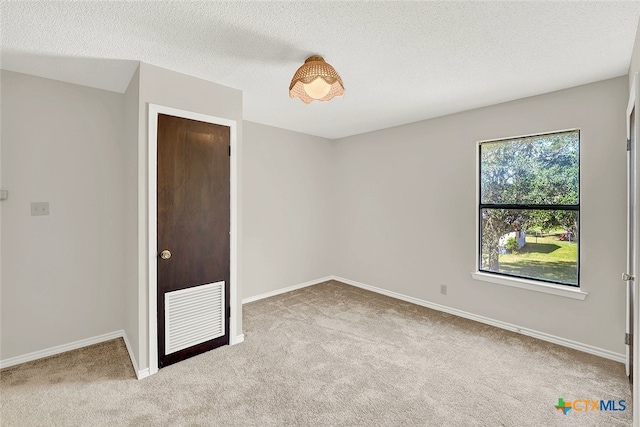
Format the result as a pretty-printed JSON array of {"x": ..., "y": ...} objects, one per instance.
[{"x": 193, "y": 219}]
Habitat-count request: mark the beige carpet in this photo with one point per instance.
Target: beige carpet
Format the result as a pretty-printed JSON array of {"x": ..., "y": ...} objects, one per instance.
[{"x": 327, "y": 355}]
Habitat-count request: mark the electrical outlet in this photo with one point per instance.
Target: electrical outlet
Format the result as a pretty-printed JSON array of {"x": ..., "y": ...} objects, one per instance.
[
  {"x": 39, "y": 208},
  {"x": 443, "y": 289}
]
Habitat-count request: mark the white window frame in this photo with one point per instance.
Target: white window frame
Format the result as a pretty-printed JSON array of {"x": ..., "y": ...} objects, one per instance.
[{"x": 517, "y": 282}]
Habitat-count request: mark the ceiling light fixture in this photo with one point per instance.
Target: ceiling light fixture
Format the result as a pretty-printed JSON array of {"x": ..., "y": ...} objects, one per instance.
[{"x": 315, "y": 80}]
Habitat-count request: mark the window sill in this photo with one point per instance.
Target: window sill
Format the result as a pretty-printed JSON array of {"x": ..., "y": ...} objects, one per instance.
[{"x": 532, "y": 285}]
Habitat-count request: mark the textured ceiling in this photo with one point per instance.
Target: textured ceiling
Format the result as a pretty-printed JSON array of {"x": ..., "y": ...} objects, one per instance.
[{"x": 400, "y": 61}]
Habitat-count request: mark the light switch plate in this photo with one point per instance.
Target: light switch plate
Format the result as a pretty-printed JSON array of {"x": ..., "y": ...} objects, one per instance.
[{"x": 39, "y": 208}]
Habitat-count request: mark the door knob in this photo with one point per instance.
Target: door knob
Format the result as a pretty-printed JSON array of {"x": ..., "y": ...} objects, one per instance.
[
  {"x": 165, "y": 254},
  {"x": 627, "y": 277}
]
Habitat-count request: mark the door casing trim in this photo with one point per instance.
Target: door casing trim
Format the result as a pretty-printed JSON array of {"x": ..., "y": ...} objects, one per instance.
[
  {"x": 152, "y": 230},
  {"x": 634, "y": 96}
]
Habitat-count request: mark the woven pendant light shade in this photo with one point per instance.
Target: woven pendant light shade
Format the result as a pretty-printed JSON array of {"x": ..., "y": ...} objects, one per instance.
[{"x": 315, "y": 81}]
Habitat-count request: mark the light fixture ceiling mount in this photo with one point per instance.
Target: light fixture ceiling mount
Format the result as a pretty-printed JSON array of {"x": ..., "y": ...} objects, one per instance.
[{"x": 315, "y": 80}]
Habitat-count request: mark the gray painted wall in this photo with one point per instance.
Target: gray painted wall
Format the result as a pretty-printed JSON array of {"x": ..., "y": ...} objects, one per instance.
[
  {"x": 393, "y": 209},
  {"x": 288, "y": 200},
  {"x": 635, "y": 57},
  {"x": 130, "y": 196},
  {"x": 168, "y": 88},
  {"x": 407, "y": 203},
  {"x": 62, "y": 274},
  {"x": 82, "y": 271}
]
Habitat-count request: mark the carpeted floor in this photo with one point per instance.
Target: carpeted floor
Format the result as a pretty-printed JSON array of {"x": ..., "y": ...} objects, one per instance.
[{"x": 326, "y": 355}]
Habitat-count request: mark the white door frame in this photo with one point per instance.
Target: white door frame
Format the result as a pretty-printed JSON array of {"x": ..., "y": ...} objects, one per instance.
[
  {"x": 152, "y": 231},
  {"x": 634, "y": 98}
]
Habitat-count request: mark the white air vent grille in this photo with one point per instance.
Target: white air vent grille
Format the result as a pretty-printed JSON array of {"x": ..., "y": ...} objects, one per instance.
[{"x": 193, "y": 316}]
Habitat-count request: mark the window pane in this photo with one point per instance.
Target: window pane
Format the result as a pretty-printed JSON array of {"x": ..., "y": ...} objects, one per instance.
[
  {"x": 540, "y": 169},
  {"x": 529, "y": 243}
]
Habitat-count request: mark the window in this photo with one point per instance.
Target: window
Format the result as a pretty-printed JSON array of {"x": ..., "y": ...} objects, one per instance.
[{"x": 529, "y": 211}]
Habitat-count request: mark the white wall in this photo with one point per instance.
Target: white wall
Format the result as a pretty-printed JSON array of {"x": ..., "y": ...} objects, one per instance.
[
  {"x": 288, "y": 200},
  {"x": 407, "y": 211},
  {"x": 61, "y": 274},
  {"x": 168, "y": 88}
]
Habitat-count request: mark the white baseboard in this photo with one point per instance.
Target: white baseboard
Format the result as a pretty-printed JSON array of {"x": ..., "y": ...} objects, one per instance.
[
  {"x": 285, "y": 290},
  {"x": 52, "y": 351},
  {"x": 143, "y": 373},
  {"x": 618, "y": 357},
  {"x": 140, "y": 374}
]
